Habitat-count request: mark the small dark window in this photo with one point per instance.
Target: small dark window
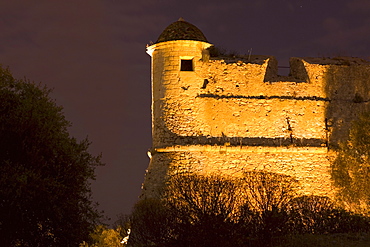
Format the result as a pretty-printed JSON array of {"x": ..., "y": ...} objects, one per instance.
[{"x": 186, "y": 65}]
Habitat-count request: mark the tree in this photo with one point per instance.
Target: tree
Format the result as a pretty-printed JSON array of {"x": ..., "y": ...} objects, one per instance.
[
  {"x": 194, "y": 211},
  {"x": 204, "y": 206},
  {"x": 267, "y": 191},
  {"x": 351, "y": 169},
  {"x": 215, "y": 210},
  {"x": 258, "y": 209},
  {"x": 123, "y": 226},
  {"x": 268, "y": 198},
  {"x": 313, "y": 214},
  {"x": 45, "y": 195},
  {"x": 104, "y": 237},
  {"x": 152, "y": 224}
]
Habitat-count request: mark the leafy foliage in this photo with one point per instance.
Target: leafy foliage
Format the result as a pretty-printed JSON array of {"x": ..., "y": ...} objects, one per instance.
[
  {"x": 104, "y": 237},
  {"x": 45, "y": 196},
  {"x": 153, "y": 224},
  {"x": 123, "y": 226}
]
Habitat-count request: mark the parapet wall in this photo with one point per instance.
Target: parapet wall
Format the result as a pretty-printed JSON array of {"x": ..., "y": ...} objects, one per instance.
[{"x": 234, "y": 100}]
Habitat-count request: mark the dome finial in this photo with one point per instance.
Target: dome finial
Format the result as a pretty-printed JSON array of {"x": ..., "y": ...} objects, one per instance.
[
  {"x": 181, "y": 30},
  {"x": 181, "y": 19}
]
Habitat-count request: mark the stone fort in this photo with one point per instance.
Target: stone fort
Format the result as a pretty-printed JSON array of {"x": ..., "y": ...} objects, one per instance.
[{"x": 231, "y": 114}]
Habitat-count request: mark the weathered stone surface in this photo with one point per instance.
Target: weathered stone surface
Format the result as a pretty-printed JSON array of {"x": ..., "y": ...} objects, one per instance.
[{"x": 231, "y": 115}]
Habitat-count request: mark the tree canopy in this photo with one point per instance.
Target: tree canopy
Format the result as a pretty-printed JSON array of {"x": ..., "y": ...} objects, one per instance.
[{"x": 45, "y": 195}]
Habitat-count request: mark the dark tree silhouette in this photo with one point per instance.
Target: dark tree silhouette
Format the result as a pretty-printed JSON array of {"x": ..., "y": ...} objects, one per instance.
[
  {"x": 45, "y": 195},
  {"x": 204, "y": 206}
]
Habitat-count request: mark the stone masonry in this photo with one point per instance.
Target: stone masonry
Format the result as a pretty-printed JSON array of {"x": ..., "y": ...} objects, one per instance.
[{"x": 231, "y": 114}]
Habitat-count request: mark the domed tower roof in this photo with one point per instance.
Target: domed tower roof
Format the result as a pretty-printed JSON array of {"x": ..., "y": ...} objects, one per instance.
[{"x": 181, "y": 30}]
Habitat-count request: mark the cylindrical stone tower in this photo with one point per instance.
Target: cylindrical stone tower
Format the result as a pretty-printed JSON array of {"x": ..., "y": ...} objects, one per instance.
[{"x": 176, "y": 56}]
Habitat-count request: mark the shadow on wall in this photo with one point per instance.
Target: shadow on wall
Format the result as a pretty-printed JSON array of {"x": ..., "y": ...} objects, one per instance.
[{"x": 348, "y": 88}]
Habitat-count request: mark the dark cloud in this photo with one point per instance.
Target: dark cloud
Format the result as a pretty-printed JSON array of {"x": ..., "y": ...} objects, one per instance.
[
  {"x": 359, "y": 6},
  {"x": 347, "y": 33}
]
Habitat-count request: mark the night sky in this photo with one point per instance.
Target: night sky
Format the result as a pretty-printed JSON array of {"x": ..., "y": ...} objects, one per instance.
[{"x": 92, "y": 54}]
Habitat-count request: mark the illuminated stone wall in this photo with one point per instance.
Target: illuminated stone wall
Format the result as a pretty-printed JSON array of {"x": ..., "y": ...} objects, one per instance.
[
  {"x": 310, "y": 165},
  {"x": 231, "y": 115}
]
